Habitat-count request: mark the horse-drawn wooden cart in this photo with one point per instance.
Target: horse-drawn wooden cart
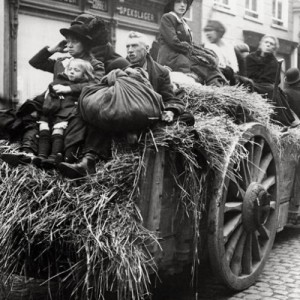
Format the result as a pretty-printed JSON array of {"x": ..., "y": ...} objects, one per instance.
[{"x": 186, "y": 207}]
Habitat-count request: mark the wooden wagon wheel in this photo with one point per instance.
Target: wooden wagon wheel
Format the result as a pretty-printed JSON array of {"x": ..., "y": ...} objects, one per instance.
[{"x": 243, "y": 211}]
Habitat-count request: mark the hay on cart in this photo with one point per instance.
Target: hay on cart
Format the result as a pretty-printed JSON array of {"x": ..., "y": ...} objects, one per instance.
[{"x": 90, "y": 234}]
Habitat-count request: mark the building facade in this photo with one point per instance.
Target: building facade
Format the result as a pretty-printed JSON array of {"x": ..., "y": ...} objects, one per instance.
[
  {"x": 28, "y": 25},
  {"x": 247, "y": 21}
]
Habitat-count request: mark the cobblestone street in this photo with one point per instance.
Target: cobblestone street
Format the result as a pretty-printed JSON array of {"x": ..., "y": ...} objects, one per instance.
[{"x": 279, "y": 280}]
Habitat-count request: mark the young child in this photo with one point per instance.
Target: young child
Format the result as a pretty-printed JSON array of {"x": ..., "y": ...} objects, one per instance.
[{"x": 60, "y": 104}]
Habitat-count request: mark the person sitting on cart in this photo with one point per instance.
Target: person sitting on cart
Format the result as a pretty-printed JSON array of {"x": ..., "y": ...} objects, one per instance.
[
  {"x": 178, "y": 51},
  {"x": 263, "y": 68},
  {"x": 78, "y": 44},
  {"x": 227, "y": 59},
  {"x": 97, "y": 146},
  {"x": 101, "y": 47},
  {"x": 59, "y": 106},
  {"x": 292, "y": 89}
]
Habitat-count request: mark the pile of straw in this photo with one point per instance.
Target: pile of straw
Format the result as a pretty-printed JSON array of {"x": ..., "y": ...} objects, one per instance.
[
  {"x": 234, "y": 101},
  {"x": 90, "y": 233}
]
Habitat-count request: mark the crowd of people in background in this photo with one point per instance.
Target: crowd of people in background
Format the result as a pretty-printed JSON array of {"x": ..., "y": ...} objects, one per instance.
[{"x": 62, "y": 139}]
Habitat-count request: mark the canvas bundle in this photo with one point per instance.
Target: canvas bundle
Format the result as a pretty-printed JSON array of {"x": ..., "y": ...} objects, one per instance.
[{"x": 120, "y": 103}]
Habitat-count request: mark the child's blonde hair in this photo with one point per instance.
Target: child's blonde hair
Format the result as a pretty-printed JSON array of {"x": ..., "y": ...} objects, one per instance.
[{"x": 87, "y": 68}]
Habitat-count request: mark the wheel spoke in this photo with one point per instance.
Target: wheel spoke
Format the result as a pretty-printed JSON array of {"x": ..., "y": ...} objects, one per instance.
[
  {"x": 247, "y": 257},
  {"x": 233, "y": 206},
  {"x": 268, "y": 182},
  {"x": 236, "y": 262},
  {"x": 256, "y": 247},
  {"x": 231, "y": 225},
  {"x": 250, "y": 148},
  {"x": 259, "y": 147},
  {"x": 265, "y": 162},
  {"x": 245, "y": 172},
  {"x": 231, "y": 245},
  {"x": 264, "y": 232},
  {"x": 241, "y": 191}
]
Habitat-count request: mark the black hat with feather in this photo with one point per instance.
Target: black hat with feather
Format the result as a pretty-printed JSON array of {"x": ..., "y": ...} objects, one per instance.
[{"x": 96, "y": 27}]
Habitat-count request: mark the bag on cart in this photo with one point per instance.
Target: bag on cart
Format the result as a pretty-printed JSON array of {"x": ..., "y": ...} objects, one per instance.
[{"x": 121, "y": 102}]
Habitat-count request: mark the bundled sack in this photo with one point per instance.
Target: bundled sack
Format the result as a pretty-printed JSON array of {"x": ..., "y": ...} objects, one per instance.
[{"x": 121, "y": 102}]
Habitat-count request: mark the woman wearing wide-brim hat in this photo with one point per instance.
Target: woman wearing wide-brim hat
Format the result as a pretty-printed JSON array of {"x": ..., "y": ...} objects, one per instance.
[
  {"x": 177, "y": 50},
  {"x": 77, "y": 43},
  {"x": 101, "y": 48}
]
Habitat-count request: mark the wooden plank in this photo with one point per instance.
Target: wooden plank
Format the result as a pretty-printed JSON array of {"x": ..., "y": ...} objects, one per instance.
[
  {"x": 146, "y": 183},
  {"x": 157, "y": 182}
]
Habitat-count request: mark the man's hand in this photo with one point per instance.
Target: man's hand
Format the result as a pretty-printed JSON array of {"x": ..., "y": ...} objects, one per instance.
[
  {"x": 60, "y": 47},
  {"x": 131, "y": 71},
  {"x": 167, "y": 116},
  {"x": 61, "y": 89}
]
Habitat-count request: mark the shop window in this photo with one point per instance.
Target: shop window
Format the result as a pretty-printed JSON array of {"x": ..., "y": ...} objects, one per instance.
[
  {"x": 279, "y": 13},
  {"x": 225, "y": 5}
]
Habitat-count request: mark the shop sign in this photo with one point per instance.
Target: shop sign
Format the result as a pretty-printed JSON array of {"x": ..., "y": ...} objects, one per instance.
[
  {"x": 75, "y": 2},
  {"x": 99, "y": 5},
  {"x": 137, "y": 13}
]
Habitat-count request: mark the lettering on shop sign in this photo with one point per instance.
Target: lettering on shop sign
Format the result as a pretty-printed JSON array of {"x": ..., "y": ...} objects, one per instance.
[
  {"x": 136, "y": 13},
  {"x": 68, "y": 1},
  {"x": 99, "y": 5}
]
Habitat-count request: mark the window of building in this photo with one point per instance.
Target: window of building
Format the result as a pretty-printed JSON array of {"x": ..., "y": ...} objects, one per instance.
[
  {"x": 225, "y": 5},
  {"x": 254, "y": 10},
  {"x": 279, "y": 13},
  {"x": 251, "y": 9}
]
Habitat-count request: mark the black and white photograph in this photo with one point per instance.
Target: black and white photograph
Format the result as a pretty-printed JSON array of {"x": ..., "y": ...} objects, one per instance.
[{"x": 149, "y": 150}]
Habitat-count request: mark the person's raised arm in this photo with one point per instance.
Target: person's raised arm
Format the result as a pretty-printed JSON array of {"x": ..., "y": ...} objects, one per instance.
[{"x": 42, "y": 60}]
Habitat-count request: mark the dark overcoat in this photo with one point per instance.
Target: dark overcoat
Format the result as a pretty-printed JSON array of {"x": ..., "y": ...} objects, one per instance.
[
  {"x": 159, "y": 78},
  {"x": 60, "y": 107},
  {"x": 175, "y": 42},
  {"x": 262, "y": 70},
  {"x": 293, "y": 96}
]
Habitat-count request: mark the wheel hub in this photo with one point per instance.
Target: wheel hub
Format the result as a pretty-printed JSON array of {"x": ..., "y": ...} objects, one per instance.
[{"x": 256, "y": 207}]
